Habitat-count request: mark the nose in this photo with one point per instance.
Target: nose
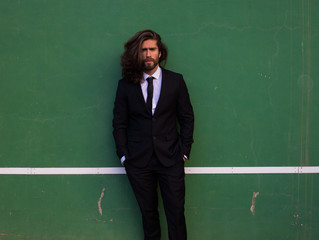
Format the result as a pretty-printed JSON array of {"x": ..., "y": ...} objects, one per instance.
[{"x": 148, "y": 53}]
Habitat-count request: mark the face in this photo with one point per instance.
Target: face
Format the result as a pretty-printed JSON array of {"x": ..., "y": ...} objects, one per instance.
[{"x": 150, "y": 56}]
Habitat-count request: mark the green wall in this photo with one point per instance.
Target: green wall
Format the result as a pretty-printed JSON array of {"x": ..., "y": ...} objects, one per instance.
[{"x": 251, "y": 69}]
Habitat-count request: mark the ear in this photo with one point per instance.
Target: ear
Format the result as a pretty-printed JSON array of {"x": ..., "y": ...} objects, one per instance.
[{"x": 160, "y": 54}]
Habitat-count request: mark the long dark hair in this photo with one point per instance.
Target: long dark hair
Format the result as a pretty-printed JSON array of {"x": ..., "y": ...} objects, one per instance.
[{"x": 131, "y": 62}]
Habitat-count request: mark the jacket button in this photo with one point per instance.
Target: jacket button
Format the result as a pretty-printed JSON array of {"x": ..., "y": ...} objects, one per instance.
[{"x": 154, "y": 138}]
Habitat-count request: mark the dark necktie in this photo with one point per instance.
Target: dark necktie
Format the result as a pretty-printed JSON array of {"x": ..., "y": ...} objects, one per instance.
[{"x": 149, "y": 93}]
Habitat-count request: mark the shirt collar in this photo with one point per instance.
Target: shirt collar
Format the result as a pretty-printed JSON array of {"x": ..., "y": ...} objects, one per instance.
[{"x": 156, "y": 75}]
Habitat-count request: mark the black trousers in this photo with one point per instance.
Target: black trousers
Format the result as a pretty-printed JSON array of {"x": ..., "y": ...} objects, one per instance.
[{"x": 144, "y": 182}]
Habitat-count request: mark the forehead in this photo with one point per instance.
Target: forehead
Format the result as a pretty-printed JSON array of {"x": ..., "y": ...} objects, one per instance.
[{"x": 150, "y": 43}]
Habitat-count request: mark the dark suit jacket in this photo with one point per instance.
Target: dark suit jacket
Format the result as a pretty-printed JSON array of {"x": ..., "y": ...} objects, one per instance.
[{"x": 168, "y": 133}]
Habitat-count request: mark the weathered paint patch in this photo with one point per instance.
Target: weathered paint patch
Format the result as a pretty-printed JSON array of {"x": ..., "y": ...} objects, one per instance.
[
  {"x": 253, "y": 202},
  {"x": 100, "y": 200}
]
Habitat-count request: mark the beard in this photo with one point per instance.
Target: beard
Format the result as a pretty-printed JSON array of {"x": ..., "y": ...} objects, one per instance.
[{"x": 150, "y": 66}]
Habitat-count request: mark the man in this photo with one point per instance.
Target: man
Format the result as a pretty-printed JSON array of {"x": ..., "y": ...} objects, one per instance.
[{"x": 153, "y": 131}]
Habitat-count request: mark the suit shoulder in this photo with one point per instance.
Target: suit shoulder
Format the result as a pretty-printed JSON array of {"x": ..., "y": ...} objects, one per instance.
[
  {"x": 172, "y": 74},
  {"x": 124, "y": 83}
]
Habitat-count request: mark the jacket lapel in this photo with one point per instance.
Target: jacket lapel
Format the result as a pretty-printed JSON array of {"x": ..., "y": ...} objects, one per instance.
[
  {"x": 139, "y": 96},
  {"x": 139, "y": 93},
  {"x": 163, "y": 91}
]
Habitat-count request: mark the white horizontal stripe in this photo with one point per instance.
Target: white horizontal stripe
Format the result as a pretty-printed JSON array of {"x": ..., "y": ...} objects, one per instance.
[
  {"x": 242, "y": 170},
  {"x": 188, "y": 170},
  {"x": 309, "y": 169},
  {"x": 62, "y": 171}
]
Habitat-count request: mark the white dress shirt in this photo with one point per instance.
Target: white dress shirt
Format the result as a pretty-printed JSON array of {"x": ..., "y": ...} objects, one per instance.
[{"x": 157, "y": 83}]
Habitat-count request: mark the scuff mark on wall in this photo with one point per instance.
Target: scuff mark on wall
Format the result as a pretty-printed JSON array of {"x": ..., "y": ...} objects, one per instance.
[
  {"x": 296, "y": 223},
  {"x": 14, "y": 235},
  {"x": 99, "y": 202},
  {"x": 96, "y": 220},
  {"x": 99, "y": 220},
  {"x": 252, "y": 208}
]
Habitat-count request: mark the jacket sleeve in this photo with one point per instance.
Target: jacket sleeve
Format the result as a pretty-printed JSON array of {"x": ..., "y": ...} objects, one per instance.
[
  {"x": 120, "y": 120},
  {"x": 185, "y": 117}
]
